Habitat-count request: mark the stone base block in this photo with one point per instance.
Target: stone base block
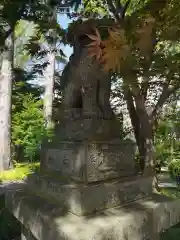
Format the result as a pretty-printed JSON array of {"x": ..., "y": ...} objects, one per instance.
[
  {"x": 81, "y": 129},
  {"x": 140, "y": 220},
  {"x": 90, "y": 161},
  {"x": 82, "y": 199}
]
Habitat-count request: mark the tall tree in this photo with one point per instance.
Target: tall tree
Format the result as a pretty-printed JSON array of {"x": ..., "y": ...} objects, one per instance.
[
  {"x": 10, "y": 13},
  {"x": 6, "y": 72},
  {"x": 49, "y": 73}
]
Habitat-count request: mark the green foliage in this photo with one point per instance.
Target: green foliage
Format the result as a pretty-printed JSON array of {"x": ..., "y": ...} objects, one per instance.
[
  {"x": 23, "y": 32},
  {"x": 174, "y": 169},
  {"x": 163, "y": 143},
  {"x": 21, "y": 87},
  {"x": 171, "y": 192},
  {"x": 167, "y": 142},
  {"x": 28, "y": 126},
  {"x": 92, "y": 9}
]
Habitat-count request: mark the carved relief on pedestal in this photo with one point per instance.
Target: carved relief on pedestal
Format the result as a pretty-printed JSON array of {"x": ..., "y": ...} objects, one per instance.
[{"x": 92, "y": 161}]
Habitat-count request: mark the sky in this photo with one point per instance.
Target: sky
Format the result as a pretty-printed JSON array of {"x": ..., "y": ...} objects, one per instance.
[{"x": 64, "y": 21}]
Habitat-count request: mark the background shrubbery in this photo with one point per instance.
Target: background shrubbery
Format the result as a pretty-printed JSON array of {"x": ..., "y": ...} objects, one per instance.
[
  {"x": 28, "y": 129},
  {"x": 174, "y": 169},
  {"x": 167, "y": 137}
]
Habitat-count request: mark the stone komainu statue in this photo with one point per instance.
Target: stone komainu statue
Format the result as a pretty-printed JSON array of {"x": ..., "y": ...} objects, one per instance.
[{"x": 86, "y": 86}]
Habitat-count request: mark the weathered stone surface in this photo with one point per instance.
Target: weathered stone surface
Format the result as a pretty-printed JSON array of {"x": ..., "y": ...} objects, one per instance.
[
  {"x": 110, "y": 160},
  {"x": 86, "y": 85},
  {"x": 10, "y": 227},
  {"x": 90, "y": 161},
  {"x": 10, "y": 185},
  {"x": 82, "y": 199},
  {"x": 26, "y": 234},
  {"x": 87, "y": 129},
  {"x": 140, "y": 220}
]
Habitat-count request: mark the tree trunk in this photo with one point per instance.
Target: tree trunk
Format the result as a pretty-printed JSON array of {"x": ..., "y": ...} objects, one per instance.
[
  {"x": 143, "y": 130},
  {"x": 146, "y": 146},
  {"x": 49, "y": 89},
  {"x": 5, "y": 103},
  {"x": 135, "y": 121},
  {"x": 49, "y": 75}
]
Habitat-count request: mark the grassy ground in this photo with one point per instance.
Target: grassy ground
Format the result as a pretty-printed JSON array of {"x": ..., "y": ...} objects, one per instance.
[
  {"x": 19, "y": 172},
  {"x": 174, "y": 193},
  {"x": 9, "y": 227}
]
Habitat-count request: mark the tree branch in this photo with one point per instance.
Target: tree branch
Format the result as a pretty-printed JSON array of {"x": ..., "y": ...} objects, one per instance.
[
  {"x": 119, "y": 10},
  {"x": 125, "y": 8},
  {"x": 144, "y": 87},
  {"x": 153, "y": 7},
  {"x": 132, "y": 112},
  {"x": 6, "y": 35},
  {"x": 166, "y": 93},
  {"x": 113, "y": 9}
]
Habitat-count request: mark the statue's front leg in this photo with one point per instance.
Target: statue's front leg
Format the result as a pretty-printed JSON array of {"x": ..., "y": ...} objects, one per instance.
[
  {"x": 72, "y": 102},
  {"x": 90, "y": 106}
]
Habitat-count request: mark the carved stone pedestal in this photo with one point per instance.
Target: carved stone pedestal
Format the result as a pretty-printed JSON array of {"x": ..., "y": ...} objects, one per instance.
[
  {"x": 90, "y": 161},
  {"x": 88, "y": 176}
]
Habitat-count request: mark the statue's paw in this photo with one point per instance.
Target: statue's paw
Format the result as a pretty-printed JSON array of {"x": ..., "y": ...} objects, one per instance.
[{"x": 93, "y": 113}]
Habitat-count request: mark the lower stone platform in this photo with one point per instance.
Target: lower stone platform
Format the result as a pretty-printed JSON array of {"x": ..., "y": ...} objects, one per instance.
[
  {"x": 140, "y": 220},
  {"x": 83, "y": 199}
]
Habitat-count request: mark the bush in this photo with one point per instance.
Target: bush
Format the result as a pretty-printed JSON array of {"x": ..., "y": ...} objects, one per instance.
[
  {"x": 174, "y": 169},
  {"x": 28, "y": 129},
  {"x": 167, "y": 144}
]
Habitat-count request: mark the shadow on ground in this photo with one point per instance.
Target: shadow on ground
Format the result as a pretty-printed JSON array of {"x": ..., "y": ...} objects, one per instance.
[
  {"x": 172, "y": 233},
  {"x": 10, "y": 227},
  {"x": 49, "y": 219}
]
